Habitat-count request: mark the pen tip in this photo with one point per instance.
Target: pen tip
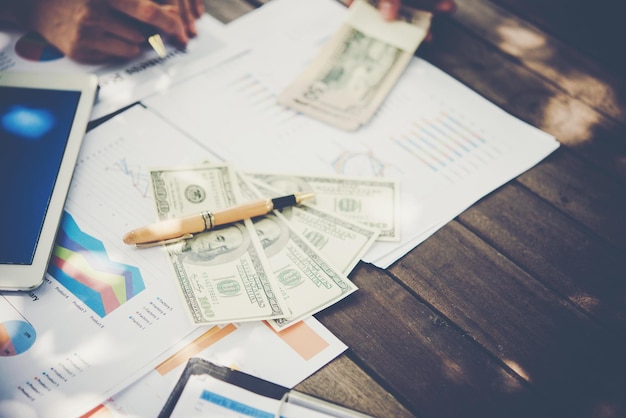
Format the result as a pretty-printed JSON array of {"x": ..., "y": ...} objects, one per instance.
[{"x": 156, "y": 42}]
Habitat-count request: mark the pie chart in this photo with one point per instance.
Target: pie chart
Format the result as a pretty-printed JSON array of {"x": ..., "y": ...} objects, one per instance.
[
  {"x": 16, "y": 337},
  {"x": 33, "y": 47}
]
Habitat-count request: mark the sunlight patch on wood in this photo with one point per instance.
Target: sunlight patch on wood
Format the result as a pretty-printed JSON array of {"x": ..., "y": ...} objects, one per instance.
[
  {"x": 518, "y": 369},
  {"x": 453, "y": 370},
  {"x": 546, "y": 58},
  {"x": 570, "y": 121},
  {"x": 585, "y": 301},
  {"x": 518, "y": 40}
]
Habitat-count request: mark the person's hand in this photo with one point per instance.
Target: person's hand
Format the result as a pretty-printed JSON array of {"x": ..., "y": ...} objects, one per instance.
[
  {"x": 96, "y": 31},
  {"x": 389, "y": 8},
  {"x": 189, "y": 11}
]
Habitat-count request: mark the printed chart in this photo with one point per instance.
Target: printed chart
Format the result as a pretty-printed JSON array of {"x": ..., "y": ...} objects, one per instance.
[
  {"x": 81, "y": 264},
  {"x": 17, "y": 334},
  {"x": 31, "y": 46},
  {"x": 446, "y": 145},
  {"x": 136, "y": 174},
  {"x": 16, "y": 337}
]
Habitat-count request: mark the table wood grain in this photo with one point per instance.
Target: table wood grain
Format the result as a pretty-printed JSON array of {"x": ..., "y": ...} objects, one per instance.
[{"x": 516, "y": 308}]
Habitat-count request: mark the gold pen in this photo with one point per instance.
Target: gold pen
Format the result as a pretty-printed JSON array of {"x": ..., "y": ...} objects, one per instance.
[{"x": 173, "y": 230}]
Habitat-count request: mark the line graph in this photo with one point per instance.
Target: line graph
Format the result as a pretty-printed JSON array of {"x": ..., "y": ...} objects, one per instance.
[{"x": 137, "y": 175}]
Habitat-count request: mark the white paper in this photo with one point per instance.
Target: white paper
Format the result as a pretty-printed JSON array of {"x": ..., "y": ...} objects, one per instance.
[
  {"x": 207, "y": 396},
  {"x": 445, "y": 144},
  {"x": 128, "y": 82},
  {"x": 112, "y": 313},
  {"x": 249, "y": 347}
]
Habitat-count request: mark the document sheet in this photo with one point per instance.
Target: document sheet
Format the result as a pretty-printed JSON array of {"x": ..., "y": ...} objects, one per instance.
[
  {"x": 446, "y": 145},
  {"x": 125, "y": 83},
  {"x": 108, "y": 313}
]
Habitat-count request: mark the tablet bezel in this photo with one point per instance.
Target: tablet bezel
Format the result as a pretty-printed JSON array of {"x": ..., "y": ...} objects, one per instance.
[{"x": 14, "y": 277}]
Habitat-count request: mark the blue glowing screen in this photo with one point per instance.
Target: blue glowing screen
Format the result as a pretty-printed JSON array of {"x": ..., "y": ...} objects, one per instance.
[{"x": 34, "y": 129}]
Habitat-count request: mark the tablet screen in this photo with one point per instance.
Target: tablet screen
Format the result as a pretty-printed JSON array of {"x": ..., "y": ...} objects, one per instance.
[{"x": 34, "y": 129}]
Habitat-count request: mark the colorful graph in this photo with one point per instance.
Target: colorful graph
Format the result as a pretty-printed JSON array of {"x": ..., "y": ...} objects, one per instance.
[
  {"x": 16, "y": 337},
  {"x": 81, "y": 264},
  {"x": 35, "y": 48},
  {"x": 139, "y": 178},
  {"x": 444, "y": 144}
]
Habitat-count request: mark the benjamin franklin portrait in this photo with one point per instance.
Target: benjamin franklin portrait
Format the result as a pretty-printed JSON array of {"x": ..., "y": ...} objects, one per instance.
[{"x": 218, "y": 246}]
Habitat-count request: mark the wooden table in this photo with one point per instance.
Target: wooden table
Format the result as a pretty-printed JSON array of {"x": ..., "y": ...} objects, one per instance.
[{"x": 516, "y": 308}]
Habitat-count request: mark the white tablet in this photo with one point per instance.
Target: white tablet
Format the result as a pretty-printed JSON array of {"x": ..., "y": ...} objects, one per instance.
[{"x": 43, "y": 119}]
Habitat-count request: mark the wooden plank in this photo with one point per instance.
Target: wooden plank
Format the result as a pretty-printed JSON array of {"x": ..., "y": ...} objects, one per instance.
[
  {"x": 600, "y": 205},
  {"x": 555, "y": 250},
  {"x": 578, "y": 75},
  {"x": 346, "y": 384},
  {"x": 559, "y": 351},
  {"x": 423, "y": 359}
]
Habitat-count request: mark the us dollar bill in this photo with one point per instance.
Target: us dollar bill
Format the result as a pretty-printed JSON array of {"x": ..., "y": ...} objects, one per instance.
[
  {"x": 340, "y": 241},
  {"x": 373, "y": 202},
  {"x": 308, "y": 282},
  {"x": 223, "y": 274},
  {"x": 356, "y": 69}
]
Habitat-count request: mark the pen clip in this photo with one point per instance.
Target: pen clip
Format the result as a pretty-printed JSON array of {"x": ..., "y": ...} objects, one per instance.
[{"x": 163, "y": 242}]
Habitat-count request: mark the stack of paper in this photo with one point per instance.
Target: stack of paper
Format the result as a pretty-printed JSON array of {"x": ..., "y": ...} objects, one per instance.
[
  {"x": 112, "y": 313},
  {"x": 444, "y": 144}
]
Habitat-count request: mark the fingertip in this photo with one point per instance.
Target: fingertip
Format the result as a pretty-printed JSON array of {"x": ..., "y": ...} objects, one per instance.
[
  {"x": 199, "y": 9},
  {"x": 388, "y": 10},
  {"x": 446, "y": 6},
  {"x": 180, "y": 33},
  {"x": 192, "y": 29}
]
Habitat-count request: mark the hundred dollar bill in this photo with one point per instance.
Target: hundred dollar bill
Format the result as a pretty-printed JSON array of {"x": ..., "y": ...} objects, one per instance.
[
  {"x": 355, "y": 70},
  {"x": 370, "y": 201},
  {"x": 340, "y": 241},
  {"x": 223, "y": 274},
  {"x": 308, "y": 282}
]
